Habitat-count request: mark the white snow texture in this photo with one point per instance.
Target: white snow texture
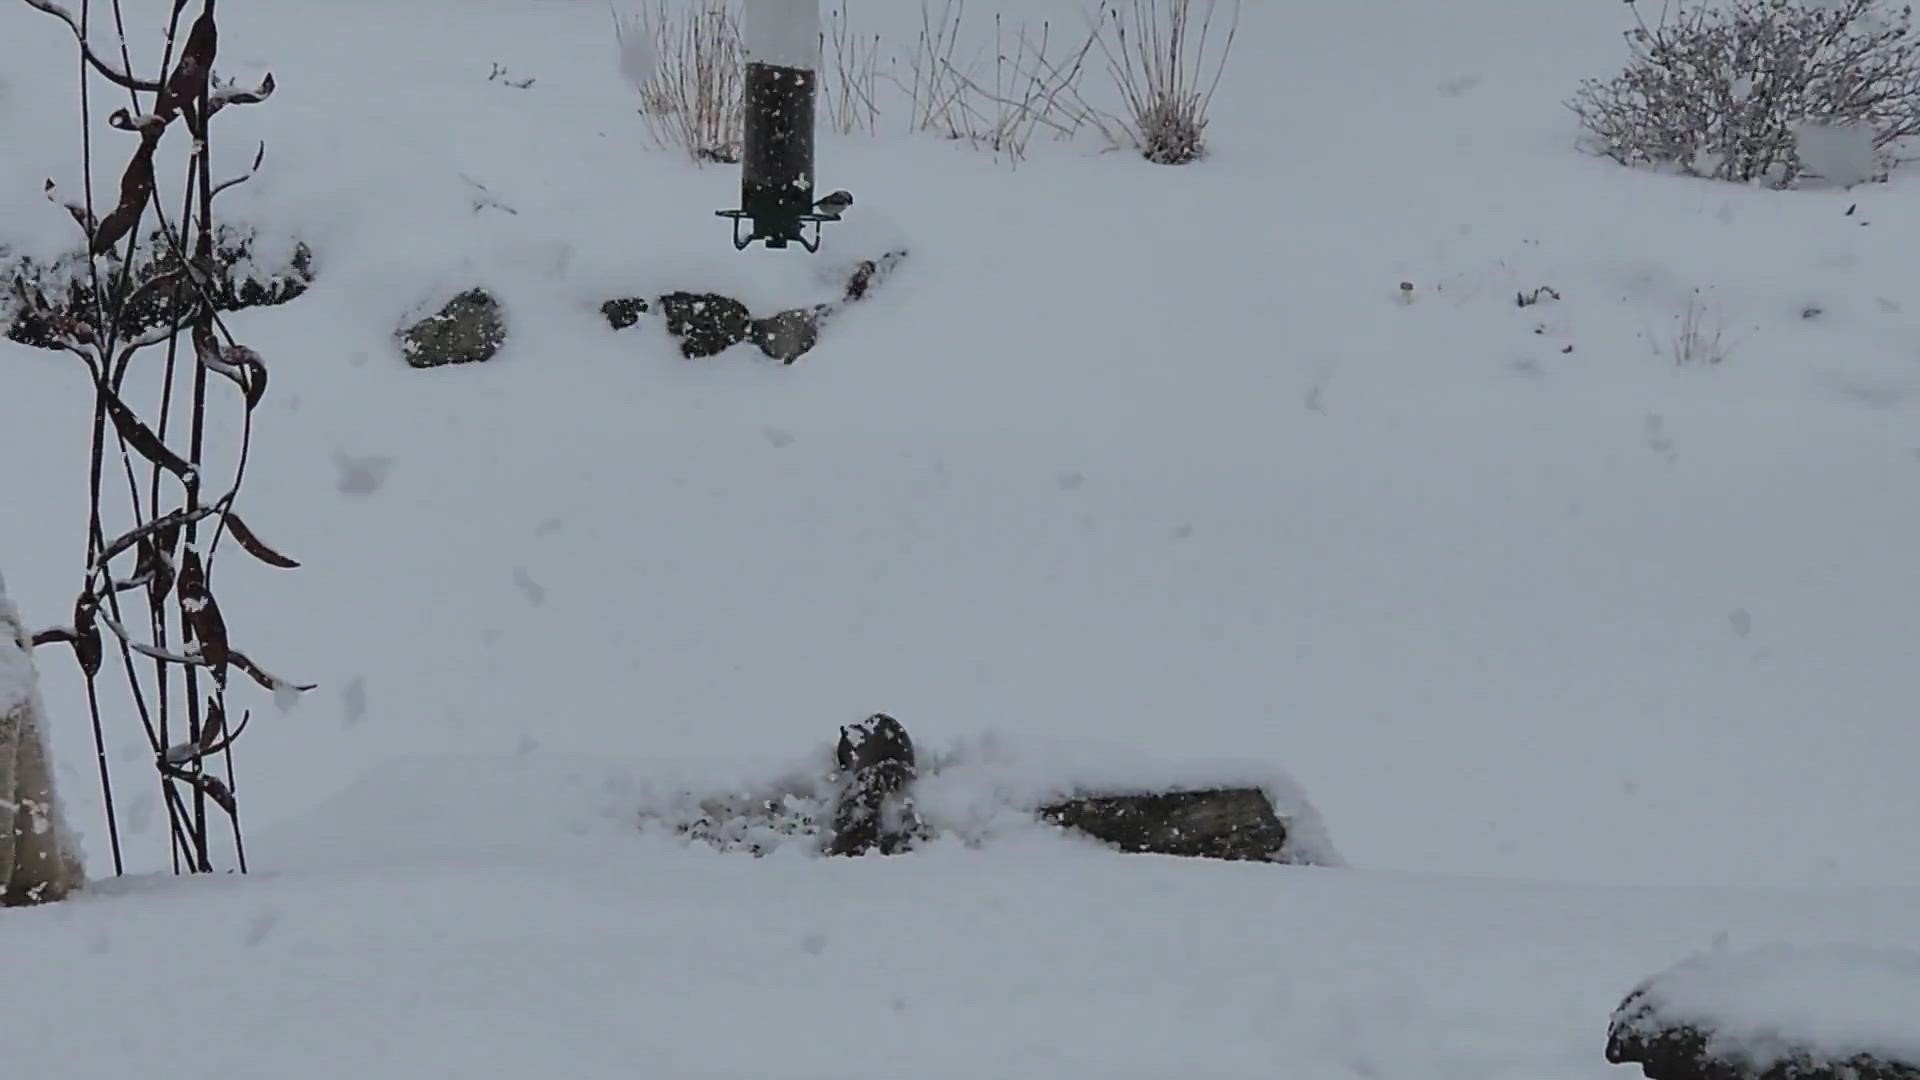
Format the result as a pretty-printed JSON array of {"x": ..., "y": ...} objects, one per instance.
[{"x": 1587, "y": 653}]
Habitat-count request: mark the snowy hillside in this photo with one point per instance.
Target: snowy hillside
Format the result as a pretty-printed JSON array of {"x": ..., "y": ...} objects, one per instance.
[{"x": 1119, "y": 455}]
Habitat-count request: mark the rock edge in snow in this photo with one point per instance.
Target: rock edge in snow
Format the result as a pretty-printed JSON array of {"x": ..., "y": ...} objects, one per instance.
[{"x": 1780, "y": 1012}]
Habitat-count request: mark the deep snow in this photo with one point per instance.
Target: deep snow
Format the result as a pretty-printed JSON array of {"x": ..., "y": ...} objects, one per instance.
[{"x": 1159, "y": 458}]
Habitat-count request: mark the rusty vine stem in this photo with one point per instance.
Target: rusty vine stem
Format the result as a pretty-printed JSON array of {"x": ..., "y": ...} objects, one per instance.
[
  {"x": 105, "y": 332},
  {"x": 98, "y": 453},
  {"x": 157, "y": 622}
]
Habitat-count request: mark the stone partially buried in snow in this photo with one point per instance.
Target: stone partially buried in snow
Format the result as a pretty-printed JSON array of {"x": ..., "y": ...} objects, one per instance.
[
  {"x": 468, "y": 330},
  {"x": 1782, "y": 1012},
  {"x": 1219, "y": 809},
  {"x": 788, "y": 336},
  {"x": 624, "y": 311},
  {"x": 1224, "y": 823},
  {"x": 708, "y": 324}
]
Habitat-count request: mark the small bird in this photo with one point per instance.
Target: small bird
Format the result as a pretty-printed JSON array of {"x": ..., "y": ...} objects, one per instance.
[{"x": 834, "y": 204}]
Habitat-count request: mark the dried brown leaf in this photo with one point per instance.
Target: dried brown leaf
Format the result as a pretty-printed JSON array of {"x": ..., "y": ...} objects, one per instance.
[
  {"x": 136, "y": 187},
  {"x": 214, "y": 727},
  {"x": 249, "y": 361},
  {"x": 141, "y": 437},
  {"x": 255, "y": 546},
  {"x": 87, "y": 647},
  {"x": 194, "y": 68},
  {"x": 202, "y": 614},
  {"x": 218, "y": 791},
  {"x": 265, "y": 678},
  {"x": 231, "y": 96}
]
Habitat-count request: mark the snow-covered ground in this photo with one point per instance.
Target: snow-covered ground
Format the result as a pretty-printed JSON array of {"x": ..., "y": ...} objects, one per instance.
[{"x": 1139, "y": 456}]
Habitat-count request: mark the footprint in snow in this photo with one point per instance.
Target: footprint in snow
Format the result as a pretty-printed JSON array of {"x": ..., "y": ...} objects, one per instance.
[
  {"x": 261, "y": 925},
  {"x": 1658, "y": 440},
  {"x": 536, "y": 595},
  {"x": 361, "y": 476},
  {"x": 1872, "y": 391},
  {"x": 353, "y": 701}
]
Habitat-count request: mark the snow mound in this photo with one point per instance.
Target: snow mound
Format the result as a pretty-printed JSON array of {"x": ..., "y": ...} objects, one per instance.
[
  {"x": 979, "y": 789},
  {"x": 1780, "y": 1002}
]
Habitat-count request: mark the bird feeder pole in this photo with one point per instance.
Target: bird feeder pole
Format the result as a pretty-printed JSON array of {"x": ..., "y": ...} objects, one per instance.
[{"x": 782, "y": 40}]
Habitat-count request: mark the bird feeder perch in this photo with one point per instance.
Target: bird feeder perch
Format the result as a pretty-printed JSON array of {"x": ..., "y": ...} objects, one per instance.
[{"x": 777, "y": 204}]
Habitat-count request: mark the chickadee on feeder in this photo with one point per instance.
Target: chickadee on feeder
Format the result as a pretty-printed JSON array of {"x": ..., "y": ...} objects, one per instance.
[
  {"x": 782, "y": 45},
  {"x": 834, "y": 205}
]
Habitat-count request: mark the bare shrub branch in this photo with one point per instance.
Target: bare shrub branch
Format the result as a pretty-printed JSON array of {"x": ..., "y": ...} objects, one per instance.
[
  {"x": 1166, "y": 58},
  {"x": 850, "y": 85},
  {"x": 995, "y": 99},
  {"x": 687, "y": 63},
  {"x": 1701, "y": 335}
]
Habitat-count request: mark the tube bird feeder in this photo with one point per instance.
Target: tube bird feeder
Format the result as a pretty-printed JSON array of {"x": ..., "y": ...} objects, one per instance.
[{"x": 777, "y": 204}]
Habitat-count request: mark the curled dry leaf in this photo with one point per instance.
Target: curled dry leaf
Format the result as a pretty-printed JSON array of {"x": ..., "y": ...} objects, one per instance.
[
  {"x": 231, "y": 95},
  {"x": 206, "y": 349},
  {"x": 214, "y": 727},
  {"x": 136, "y": 187},
  {"x": 87, "y": 647},
  {"x": 210, "y": 747},
  {"x": 265, "y": 678},
  {"x": 141, "y": 437},
  {"x": 154, "y": 652},
  {"x": 218, "y": 791},
  {"x": 255, "y": 547},
  {"x": 212, "y": 786},
  {"x": 202, "y": 614},
  {"x": 53, "y": 635},
  {"x": 194, "y": 68},
  {"x": 249, "y": 361},
  {"x": 123, "y": 120}
]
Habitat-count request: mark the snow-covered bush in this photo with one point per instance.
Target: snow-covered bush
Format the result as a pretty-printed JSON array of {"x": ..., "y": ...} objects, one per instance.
[
  {"x": 1761, "y": 90},
  {"x": 1166, "y": 58}
]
